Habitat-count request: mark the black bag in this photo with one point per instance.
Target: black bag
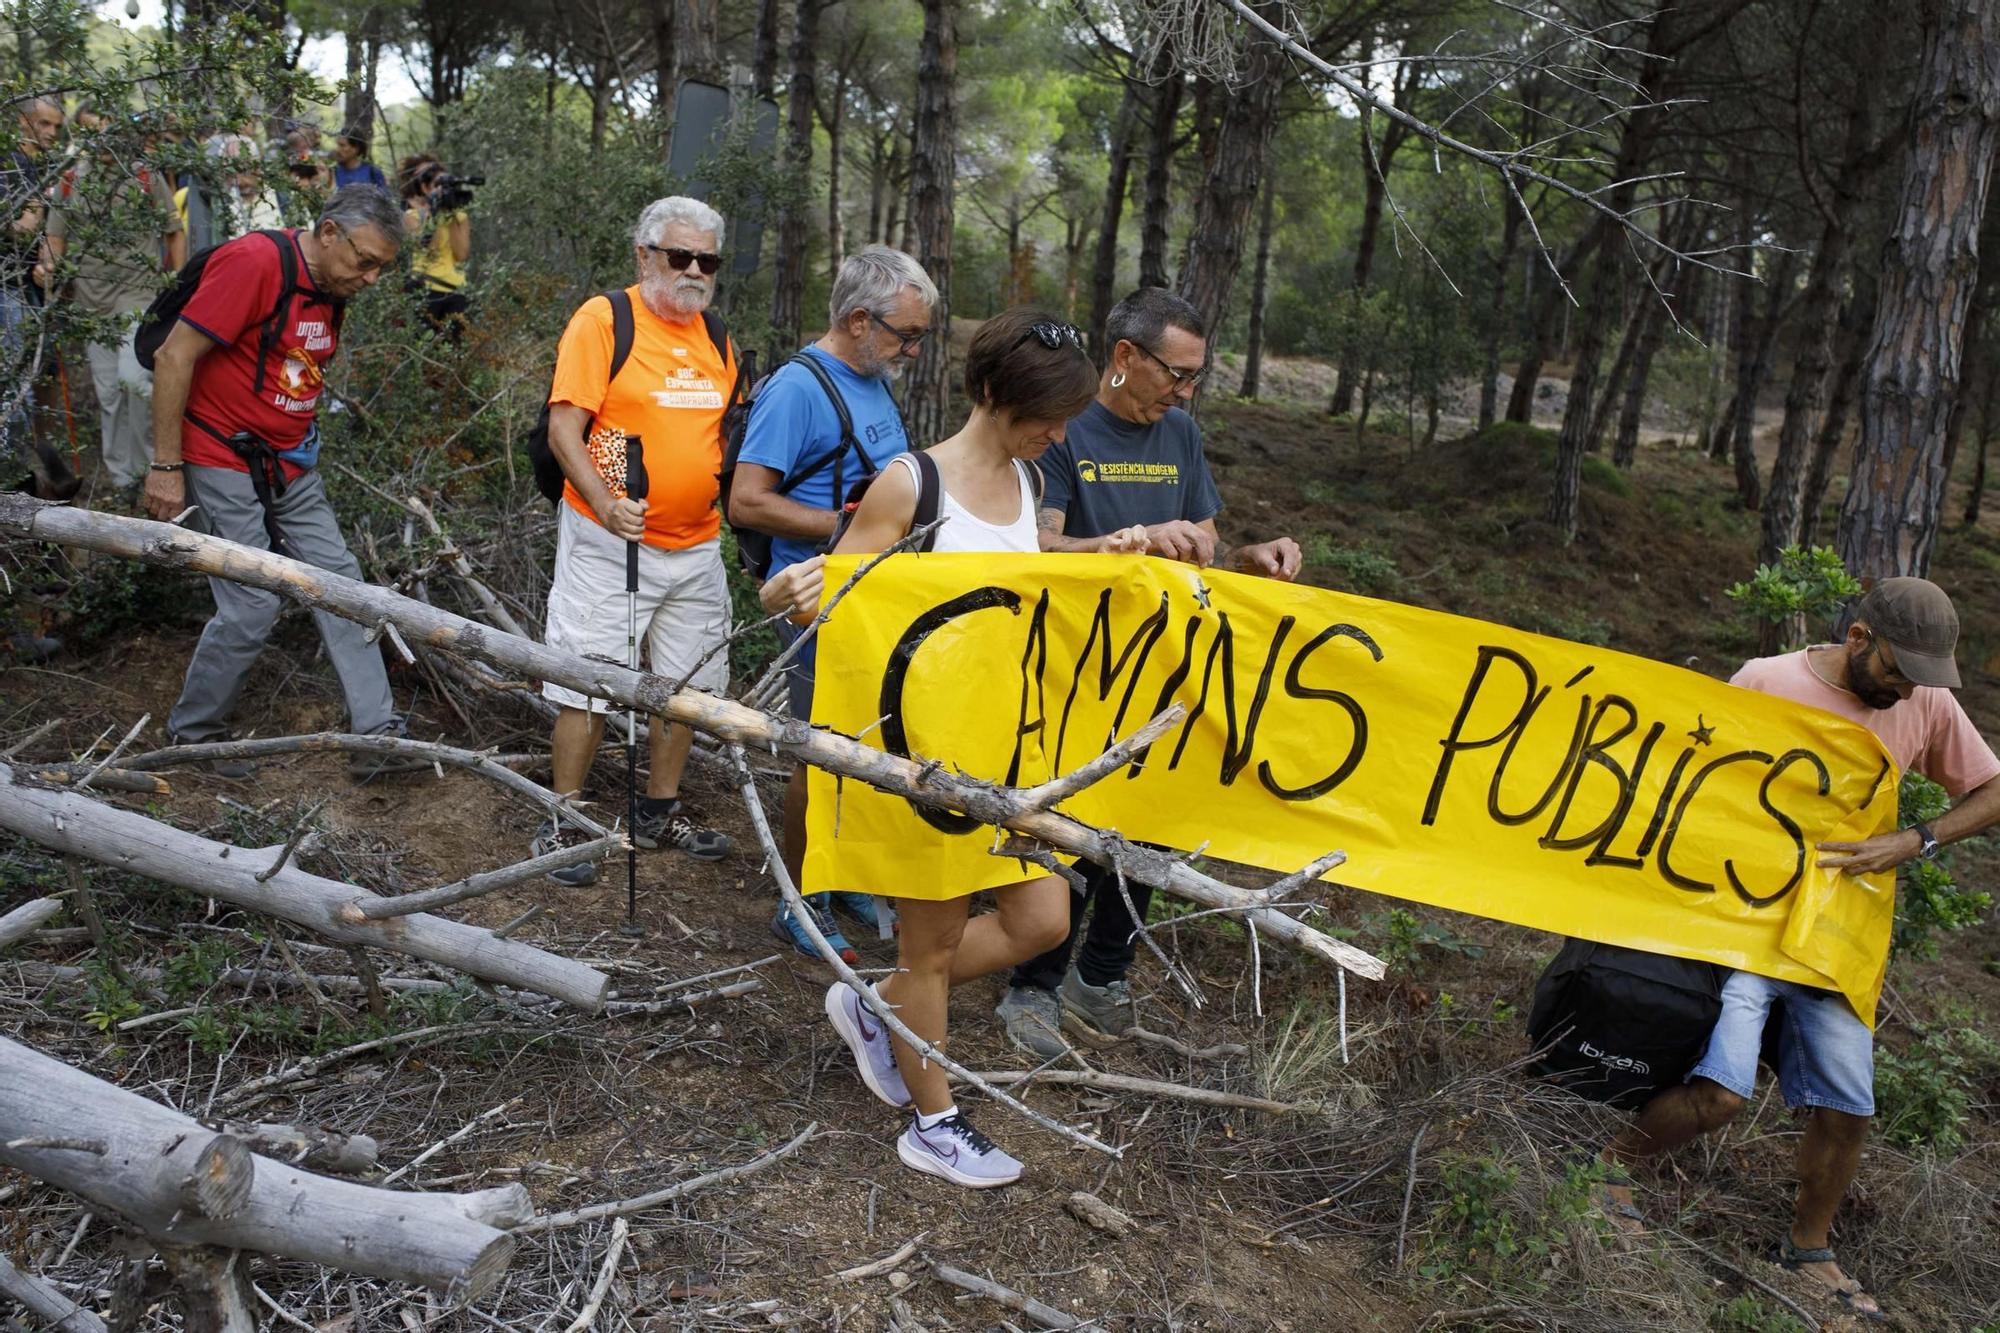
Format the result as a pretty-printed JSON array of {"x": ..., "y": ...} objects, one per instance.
[
  {"x": 549, "y": 477},
  {"x": 753, "y": 548},
  {"x": 1618, "y": 1025},
  {"x": 930, "y": 498},
  {"x": 165, "y": 311}
]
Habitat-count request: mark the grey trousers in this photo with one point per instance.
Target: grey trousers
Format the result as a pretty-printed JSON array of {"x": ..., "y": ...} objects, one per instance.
[
  {"x": 124, "y": 408},
  {"x": 236, "y": 633}
]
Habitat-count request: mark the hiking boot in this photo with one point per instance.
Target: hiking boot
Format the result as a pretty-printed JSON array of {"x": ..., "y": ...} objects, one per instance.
[
  {"x": 1106, "y": 1011},
  {"x": 1032, "y": 1019},
  {"x": 553, "y": 837},
  {"x": 956, "y": 1151},
  {"x": 236, "y": 770},
  {"x": 672, "y": 827},
  {"x": 866, "y": 909},
  {"x": 785, "y": 928},
  {"x": 365, "y": 766},
  {"x": 868, "y": 1039}
]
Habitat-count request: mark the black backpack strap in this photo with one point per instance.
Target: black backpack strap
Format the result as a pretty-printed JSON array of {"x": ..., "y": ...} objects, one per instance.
[
  {"x": 930, "y": 495},
  {"x": 1034, "y": 475},
  {"x": 621, "y": 332},
  {"x": 848, "y": 439},
  {"x": 288, "y": 287},
  {"x": 718, "y": 337}
]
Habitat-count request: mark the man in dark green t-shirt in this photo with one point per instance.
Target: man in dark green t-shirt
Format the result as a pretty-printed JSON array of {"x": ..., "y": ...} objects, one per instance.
[{"x": 1132, "y": 458}]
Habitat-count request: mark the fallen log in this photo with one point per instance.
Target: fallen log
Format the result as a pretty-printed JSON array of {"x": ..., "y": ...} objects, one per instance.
[
  {"x": 76, "y": 824},
  {"x": 187, "y": 1186},
  {"x": 177, "y": 548},
  {"x": 308, "y": 1146},
  {"x": 26, "y": 919},
  {"x": 39, "y": 1298}
]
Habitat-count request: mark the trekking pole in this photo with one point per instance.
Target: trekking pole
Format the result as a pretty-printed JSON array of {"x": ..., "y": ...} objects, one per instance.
[{"x": 635, "y": 489}]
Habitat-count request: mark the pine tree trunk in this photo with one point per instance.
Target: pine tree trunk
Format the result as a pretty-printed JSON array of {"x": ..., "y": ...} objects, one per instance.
[
  {"x": 1621, "y": 367},
  {"x": 699, "y": 54},
  {"x": 1742, "y": 435},
  {"x": 763, "y": 49},
  {"x": 836, "y": 231},
  {"x": 1243, "y": 139},
  {"x": 1168, "y": 86},
  {"x": 1104, "y": 271},
  {"x": 1375, "y": 160},
  {"x": 788, "y": 279},
  {"x": 1855, "y": 322},
  {"x": 1819, "y": 323},
  {"x": 932, "y": 174},
  {"x": 666, "y": 23},
  {"x": 1978, "y": 489},
  {"x": 1260, "y": 282},
  {"x": 1496, "y": 310},
  {"x": 1889, "y": 522}
]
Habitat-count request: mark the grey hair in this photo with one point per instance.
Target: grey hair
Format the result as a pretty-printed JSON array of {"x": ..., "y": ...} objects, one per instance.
[
  {"x": 872, "y": 278},
  {"x": 663, "y": 213},
  {"x": 364, "y": 206},
  {"x": 29, "y": 101},
  {"x": 1143, "y": 316}
]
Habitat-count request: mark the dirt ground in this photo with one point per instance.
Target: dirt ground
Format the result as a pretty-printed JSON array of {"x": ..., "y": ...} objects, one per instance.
[{"x": 1330, "y": 1218}]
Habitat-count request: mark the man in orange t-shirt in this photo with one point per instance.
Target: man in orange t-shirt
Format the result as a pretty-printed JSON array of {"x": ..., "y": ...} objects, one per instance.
[{"x": 670, "y": 392}]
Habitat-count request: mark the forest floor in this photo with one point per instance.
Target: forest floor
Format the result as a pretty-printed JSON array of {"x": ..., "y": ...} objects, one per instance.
[{"x": 1429, "y": 1185}]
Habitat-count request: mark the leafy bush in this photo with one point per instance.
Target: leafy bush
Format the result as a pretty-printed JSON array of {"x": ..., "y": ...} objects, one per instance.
[
  {"x": 1929, "y": 900},
  {"x": 1923, "y": 1096},
  {"x": 1805, "y": 585},
  {"x": 1359, "y": 566}
]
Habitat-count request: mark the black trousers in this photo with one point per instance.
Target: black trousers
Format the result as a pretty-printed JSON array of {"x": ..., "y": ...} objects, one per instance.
[{"x": 1109, "y": 944}]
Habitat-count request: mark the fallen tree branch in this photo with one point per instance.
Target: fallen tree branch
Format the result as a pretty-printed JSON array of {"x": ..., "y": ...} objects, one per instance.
[
  {"x": 1045, "y": 1315},
  {"x": 877, "y": 1267},
  {"x": 308, "y": 1146},
  {"x": 39, "y": 1298},
  {"x": 1104, "y": 1082},
  {"x": 602, "y": 1287},
  {"x": 626, "y": 1207},
  {"x": 26, "y": 919},
  {"x": 257, "y": 1088},
  {"x": 373, "y": 908},
  {"x": 188, "y": 1187},
  {"x": 164, "y": 544},
  {"x": 81, "y": 826}
]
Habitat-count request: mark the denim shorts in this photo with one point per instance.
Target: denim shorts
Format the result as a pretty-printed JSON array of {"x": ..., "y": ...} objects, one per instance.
[{"x": 1826, "y": 1056}]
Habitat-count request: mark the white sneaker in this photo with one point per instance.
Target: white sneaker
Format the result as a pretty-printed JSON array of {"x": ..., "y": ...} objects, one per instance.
[
  {"x": 956, "y": 1151},
  {"x": 865, "y": 1036}
]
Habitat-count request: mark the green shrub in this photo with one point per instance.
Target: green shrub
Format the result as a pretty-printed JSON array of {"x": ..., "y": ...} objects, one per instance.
[
  {"x": 1929, "y": 900},
  {"x": 1923, "y": 1096},
  {"x": 1358, "y": 566},
  {"x": 1805, "y": 585}
]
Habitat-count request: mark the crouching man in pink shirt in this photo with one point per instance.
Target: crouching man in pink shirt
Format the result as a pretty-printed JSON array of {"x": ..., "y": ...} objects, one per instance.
[{"x": 1893, "y": 674}]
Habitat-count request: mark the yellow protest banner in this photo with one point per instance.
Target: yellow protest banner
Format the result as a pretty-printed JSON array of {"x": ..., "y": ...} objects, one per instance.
[{"x": 1527, "y": 779}]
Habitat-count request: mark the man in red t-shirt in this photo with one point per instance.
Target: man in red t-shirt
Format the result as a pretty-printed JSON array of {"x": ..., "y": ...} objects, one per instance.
[{"x": 236, "y": 390}]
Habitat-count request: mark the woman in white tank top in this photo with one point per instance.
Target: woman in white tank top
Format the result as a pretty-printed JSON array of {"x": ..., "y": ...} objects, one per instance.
[{"x": 1027, "y": 376}]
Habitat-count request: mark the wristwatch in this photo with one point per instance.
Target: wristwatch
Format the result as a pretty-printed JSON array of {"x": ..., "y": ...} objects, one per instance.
[{"x": 1930, "y": 845}]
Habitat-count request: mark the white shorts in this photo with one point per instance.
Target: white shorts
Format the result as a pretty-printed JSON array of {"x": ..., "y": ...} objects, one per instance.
[{"x": 683, "y": 607}]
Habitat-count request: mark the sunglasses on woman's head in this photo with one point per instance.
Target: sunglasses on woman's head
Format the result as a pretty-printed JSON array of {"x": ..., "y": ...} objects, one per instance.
[
  {"x": 678, "y": 259},
  {"x": 1052, "y": 336}
]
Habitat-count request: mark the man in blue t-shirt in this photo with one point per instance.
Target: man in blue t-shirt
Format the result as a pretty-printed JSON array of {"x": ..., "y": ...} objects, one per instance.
[
  {"x": 1132, "y": 457},
  {"x": 794, "y": 466}
]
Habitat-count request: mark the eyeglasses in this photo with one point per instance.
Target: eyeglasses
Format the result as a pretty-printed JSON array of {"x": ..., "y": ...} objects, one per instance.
[
  {"x": 910, "y": 342},
  {"x": 1891, "y": 673},
  {"x": 678, "y": 259},
  {"x": 366, "y": 262},
  {"x": 1051, "y": 336},
  {"x": 1183, "y": 379}
]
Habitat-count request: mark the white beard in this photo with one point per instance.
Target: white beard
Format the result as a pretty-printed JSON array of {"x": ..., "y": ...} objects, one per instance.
[{"x": 674, "y": 297}]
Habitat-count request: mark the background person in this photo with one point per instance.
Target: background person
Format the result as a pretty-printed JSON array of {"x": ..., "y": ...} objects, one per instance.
[
  {"x": 24, "y": 180},
  {"x": 351, "y": 165},
  {"x": 221, "y": 409},
  {"x": 1133, "y": 456},
  {"x": 444, "y": 242},
  {"x": 1894, "y": 674},
  {"x": 683, "y": 594},
  {"x": 117, "y": 280},
  {"x": 878, "y": 316}
]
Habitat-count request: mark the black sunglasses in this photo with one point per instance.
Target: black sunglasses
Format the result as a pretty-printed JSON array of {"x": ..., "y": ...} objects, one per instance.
[
  {"x": 1052, "y": 336},
  {"x": 678, "y": 259}
]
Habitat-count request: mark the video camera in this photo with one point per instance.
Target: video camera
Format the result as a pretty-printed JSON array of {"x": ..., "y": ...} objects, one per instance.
[{"x": 450, "y": 192}]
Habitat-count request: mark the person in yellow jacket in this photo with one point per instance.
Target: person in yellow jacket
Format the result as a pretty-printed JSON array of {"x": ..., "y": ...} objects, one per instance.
[{"x": 444, "y": 243}]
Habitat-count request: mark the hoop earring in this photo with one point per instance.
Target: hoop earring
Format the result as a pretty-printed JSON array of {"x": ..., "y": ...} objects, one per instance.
[{"x": 1118, "y": 380}]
